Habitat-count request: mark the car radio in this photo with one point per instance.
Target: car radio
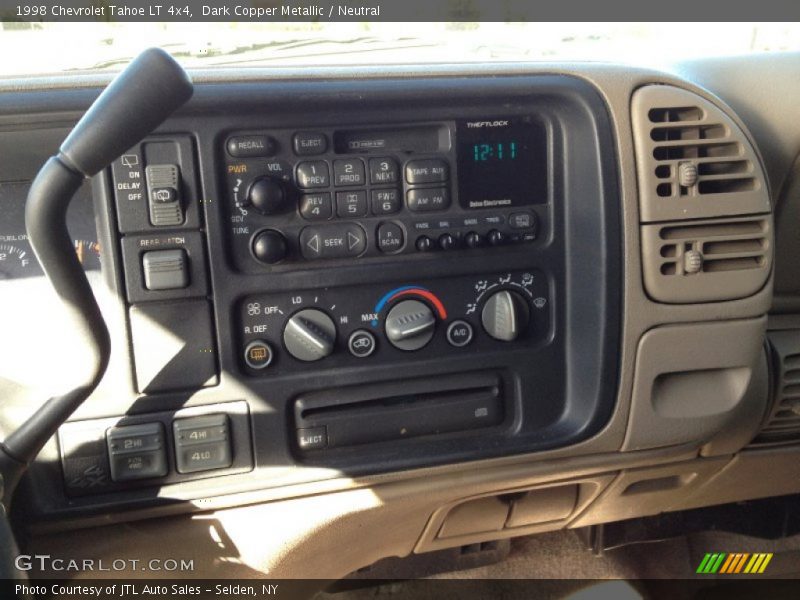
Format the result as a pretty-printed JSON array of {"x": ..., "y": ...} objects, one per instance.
[{"x": 338, "y": 193}]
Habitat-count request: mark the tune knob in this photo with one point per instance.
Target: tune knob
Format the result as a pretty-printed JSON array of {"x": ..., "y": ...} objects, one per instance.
[
  {"x": 505, "y": 315},
  {"x": 309, "y": 335},
  {"x": 269, "y": 246},
  {"x": 266, "y": 195},
  {"x": 410, "y": 325}
]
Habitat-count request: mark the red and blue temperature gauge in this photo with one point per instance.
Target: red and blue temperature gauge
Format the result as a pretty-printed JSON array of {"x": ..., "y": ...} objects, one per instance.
[{"x": 411, "y": 291}]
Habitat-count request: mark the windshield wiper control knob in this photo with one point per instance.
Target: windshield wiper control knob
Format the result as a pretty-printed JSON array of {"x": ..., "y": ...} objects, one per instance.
[
  {"x": 309, "y": 335},
  {"x": 410, "y": 325},
  {"x": 505, "y": 315}
]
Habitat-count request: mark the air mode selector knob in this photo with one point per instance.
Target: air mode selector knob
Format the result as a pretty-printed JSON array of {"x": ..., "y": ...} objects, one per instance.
[
  {"x": 505, "y": 315},
  {"x": 267, "y": 196},
  {"x": 309, "y": 335},
  {"x": 410, "y": 325}
]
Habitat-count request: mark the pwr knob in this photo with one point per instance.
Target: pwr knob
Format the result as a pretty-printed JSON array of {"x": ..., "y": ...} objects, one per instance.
[
  {"x": 267, "y": 196},
  {"x": 505, "y": 315}
]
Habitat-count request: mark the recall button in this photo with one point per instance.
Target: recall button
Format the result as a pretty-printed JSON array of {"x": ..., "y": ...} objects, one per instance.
[
  {"x": 245, "y": 146},
  {"x": 312, "y": 438},
  {"x": 333, "y": 241}
]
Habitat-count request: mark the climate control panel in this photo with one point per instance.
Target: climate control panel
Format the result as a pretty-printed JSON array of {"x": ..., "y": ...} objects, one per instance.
[{"x": 338, "y": 326}]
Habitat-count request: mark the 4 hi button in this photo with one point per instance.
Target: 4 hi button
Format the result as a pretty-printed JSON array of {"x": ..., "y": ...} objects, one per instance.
[{"x": 202, "y": 443}]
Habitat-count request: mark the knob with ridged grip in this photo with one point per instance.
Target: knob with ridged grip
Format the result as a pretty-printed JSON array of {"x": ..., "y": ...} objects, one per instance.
[
  {"x": 410, "y": 325},
  {"x": 505, "y": 315},
  {"x": 309, "y": 335}
]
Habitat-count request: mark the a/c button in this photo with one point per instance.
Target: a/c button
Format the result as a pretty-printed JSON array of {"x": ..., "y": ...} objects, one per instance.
[{"x": 459, "y": 333}]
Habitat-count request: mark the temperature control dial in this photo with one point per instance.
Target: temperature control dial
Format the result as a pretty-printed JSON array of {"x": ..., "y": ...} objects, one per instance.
[
  {"x": 267, "y": 196},
  {"x": 410, "y": 325},
  {"x": 505, "y": 315},
  {"x": 309, "y": 335}
]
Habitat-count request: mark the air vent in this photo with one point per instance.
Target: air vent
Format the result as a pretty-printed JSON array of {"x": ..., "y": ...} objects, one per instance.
[
  {"x": 694, "y": 162},
  {"x": 705, "y": 261},
  {"x": 783, "y": 424}
]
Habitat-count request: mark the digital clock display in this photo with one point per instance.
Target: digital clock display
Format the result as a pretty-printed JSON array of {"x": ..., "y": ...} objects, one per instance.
[{"x": 502, "y": 163}]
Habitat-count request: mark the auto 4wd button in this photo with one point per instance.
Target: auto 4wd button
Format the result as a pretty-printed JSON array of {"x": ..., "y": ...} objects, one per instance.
[{"x": 332, "y": 241}]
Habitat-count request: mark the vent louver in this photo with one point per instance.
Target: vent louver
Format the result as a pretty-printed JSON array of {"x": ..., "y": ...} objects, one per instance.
[
  {"x": 704, "y": 261},
  {"x": 693, "y": 160},
  {"x": 704, "y": 203},
  {"x": 783, "y": 424}
]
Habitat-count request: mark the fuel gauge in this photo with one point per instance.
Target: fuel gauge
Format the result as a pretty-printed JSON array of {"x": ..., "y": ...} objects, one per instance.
[
  {"x": 14, "y": 262},
  {"x": 88, "y": 254}
]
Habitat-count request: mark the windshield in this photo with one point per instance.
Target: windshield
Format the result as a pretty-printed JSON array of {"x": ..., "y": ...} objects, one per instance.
[{"x": 46, "y": 48}]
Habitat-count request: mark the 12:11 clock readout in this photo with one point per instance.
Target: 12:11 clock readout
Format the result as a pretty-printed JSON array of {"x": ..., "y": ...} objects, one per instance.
[{"x": 496, "y": 151}]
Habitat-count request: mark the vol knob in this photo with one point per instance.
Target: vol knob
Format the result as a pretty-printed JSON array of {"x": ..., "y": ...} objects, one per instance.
[
  {"x": 309, "y": 335},
  {"x": 267, "y": 196},
  {"x": 505, "y": 315},
  {"x": 410, "y": 325}
]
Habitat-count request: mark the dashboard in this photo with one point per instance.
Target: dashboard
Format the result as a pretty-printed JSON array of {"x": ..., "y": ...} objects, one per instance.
[{"x": 460, "y": 289}]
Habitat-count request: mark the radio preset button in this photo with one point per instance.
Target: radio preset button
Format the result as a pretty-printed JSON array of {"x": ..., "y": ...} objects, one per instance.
[
  {"x": 349, "y": 172},
  {"x": 332, "y": 241},
  {"x": 307, "y": 143},
  {"x": 316, "y": 207},
  {"x": 390, "y": 238},
  {"x": 383, "y": 171},
  {"x": 385, "y": 202},
  {"x": 313, "y": 174},
  {"x": 351, "y": 204},
  {"x": 428, "y": 199},
  {"x": 429, "y": 170},
  {"x": 245, "y": 146}
]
